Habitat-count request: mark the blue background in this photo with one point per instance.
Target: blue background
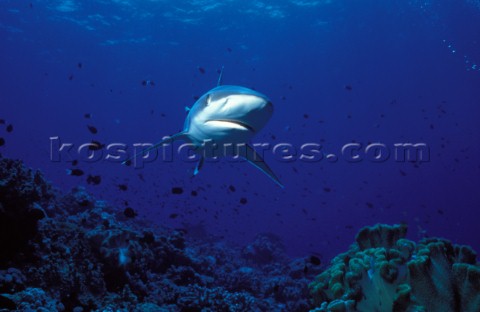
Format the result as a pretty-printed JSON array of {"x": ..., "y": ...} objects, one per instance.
[{"x": 413, "y": 77}]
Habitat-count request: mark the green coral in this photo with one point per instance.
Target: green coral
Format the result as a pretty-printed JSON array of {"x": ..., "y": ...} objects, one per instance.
[{"x": 385, "y": 272}]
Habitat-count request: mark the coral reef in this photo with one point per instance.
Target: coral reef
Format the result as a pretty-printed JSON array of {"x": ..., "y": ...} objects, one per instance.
[
  {"x": 70, "y": 252},
  {"x": 383, "y": 271}
]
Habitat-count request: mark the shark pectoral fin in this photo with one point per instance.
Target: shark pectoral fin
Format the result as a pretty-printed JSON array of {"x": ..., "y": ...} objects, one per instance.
[
  {"x": 199, "y": 166},
  {"x": 177, "y": 136},
  {"x": 255, "y": 159}
]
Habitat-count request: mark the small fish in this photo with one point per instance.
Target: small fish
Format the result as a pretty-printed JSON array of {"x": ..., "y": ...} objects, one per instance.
[
  {"x": 129, "y": 213},
  {"x": 173, "y": 216},
  {"x": 243, "y": 200},
  {"x": 122, "y": 187},
  {"x": 9, "y": 128},
  {"x": 75, "y": 172},
  {"x": 148, "y": 83},
  {"x": 201, "y": 70},
  {"x": 92, "y": 129},
  {"x": 2, "y": 141},
  {"x": 79, "y": 65},
  {"x": 87, "y": 116},
  {"x": 177, "y": 190},
  {"x": 94, "y": 179},
  {"x": 348, "y": 87},
  {"x": 315, "y": 260}
]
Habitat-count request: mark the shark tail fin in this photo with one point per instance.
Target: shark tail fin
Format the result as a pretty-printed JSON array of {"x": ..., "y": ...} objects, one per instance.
[
  {"x": 255, "y": 159},
  {"x": 177, "y": 136},
  {"x": 220, "y": 77}
]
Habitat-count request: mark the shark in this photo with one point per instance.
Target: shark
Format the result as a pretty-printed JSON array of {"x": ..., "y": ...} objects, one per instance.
[{"x": 226, "y": 116}]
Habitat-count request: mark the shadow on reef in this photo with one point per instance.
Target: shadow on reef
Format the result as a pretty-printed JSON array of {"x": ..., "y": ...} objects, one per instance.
[
  {"x": 383, "y": 271},
  {"x": 70, "y": 252}
]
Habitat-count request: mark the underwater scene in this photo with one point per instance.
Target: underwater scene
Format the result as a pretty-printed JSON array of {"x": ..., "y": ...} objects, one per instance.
[{"x": 255, "y": 155}]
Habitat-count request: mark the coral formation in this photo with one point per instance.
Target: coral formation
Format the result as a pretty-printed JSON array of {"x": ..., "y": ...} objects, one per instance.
[
  {"x": 383, "y": 271},
  {"x": 70, "y": 252},
  {"x": 80, "y": 254}
]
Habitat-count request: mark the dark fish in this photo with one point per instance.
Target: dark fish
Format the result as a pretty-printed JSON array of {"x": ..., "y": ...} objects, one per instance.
[
  {"x": 94, "y": 179},
  {"x": 201, "y": 70},
  {"x": 305, "y": 269},
  {"x": 440, "y": 211},
  {"x": 243, "y": 200},
  {"x": 327, "y": 189},
  {"x": 315, "y": 260},
  {"x": 148, "y": 83},
  {"x": 2, "y": 141},
  {"x": 173, "y": 215},
  {"x": 75, "y": 172},
  {"x": 87, "y": 115},
  {"x": 369, "y": 205},
  {"x": 70, "y": 77},
  {"x": 232, "y": 188},
  {"x": 229, "y": 49},
  {"x": 122, "y": 187},
  {"x": 9, "y": 128},
  {"x": 194, "y": 193},
  {"x": 348, "y": 87},
  {"x": 2, "y": 121},
  {"x": 74, "y": 162},
  {"x": 92, "y": 129},
  {"x": 79, "y": 65},
  {"x": 196, "y": 97},
  {"x": 129, "y": 213},
  {"x": 305, "y": 116},
  {"x": 177, "y": 190}
]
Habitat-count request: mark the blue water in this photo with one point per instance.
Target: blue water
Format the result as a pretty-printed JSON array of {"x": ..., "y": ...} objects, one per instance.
[{"x": 337, "y": 72}]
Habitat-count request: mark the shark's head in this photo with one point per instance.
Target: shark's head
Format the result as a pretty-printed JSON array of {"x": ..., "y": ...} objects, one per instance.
[{"x": 228, "y": 114}]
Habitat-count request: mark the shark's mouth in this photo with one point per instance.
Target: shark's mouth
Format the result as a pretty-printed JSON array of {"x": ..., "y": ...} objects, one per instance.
[{"x": 231, "y": 123}]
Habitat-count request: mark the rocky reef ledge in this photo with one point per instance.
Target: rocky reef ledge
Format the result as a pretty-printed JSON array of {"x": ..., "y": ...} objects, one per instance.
[{"x": 383, "y": 271}]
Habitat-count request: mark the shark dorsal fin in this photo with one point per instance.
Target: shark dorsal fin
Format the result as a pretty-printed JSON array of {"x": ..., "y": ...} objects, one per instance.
[{"x": 219, "y": 82}]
